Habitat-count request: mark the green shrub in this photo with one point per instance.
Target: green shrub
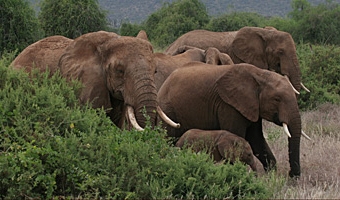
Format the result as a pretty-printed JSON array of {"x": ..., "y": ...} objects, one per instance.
[
  {"x": 128, "y": 29},
  {"x": 51, "y": 147},
  {"x": 320, "y": 66},
  {"x": 174, "y": 19},
  {"x": 71, "y": 18},
  {"x": 316, "y": 24},
  {"x": 19, "y": 25},
  {"x": 235, "y": 21}
]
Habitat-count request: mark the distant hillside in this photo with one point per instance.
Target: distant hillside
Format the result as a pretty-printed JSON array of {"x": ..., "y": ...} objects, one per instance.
[{"x": 136, "y": 11}]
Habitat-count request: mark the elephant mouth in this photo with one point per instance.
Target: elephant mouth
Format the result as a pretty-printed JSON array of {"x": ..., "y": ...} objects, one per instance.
[
  {"x": 118, "y": 95},
  {"x": 276, "y": 119}
]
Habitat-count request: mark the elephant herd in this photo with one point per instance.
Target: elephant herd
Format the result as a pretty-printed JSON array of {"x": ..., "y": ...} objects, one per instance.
[{"x": 203, "y": 82}]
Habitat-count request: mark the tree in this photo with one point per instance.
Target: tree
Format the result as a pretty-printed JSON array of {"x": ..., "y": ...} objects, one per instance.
[
  {"x": 19, "y": 26},
  {"x": 175, "y": 19},
  {"x": 129, "y": 29},
  {"x": 317, "y": 24},
  {"x": 299, "y": 6},
  {"x": 235, "y": 21},
  {"x": 72, "y": 18}
]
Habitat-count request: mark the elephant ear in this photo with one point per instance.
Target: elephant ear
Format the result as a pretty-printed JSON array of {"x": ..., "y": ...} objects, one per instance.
[
  {"x": 238, "y": 88},
  {"x": 142, "y": 35},
  {"x": 249, "y": 46},
  {"x": 82, "y": 61},
  {"x": 225, "y": 59}
]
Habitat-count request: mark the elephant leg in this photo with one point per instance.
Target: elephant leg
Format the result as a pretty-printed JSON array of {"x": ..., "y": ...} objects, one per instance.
[{"x": 259, "y": 145}]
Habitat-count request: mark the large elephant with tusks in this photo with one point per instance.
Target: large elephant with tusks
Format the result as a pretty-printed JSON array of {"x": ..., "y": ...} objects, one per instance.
[{"x": 266, "y": 48}]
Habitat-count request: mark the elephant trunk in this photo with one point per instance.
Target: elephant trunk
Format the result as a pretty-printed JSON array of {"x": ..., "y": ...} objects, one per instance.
[
  {"x": 146, "y": 94},
  {"x": 291, "y": 68},
  {"x": 294, "y": 146}
]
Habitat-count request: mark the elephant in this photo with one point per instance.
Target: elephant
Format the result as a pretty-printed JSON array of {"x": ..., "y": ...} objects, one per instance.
[
  {"x": 234, "y": 98},
  {"x": 117, "y": 73},
  {"x": 215, "y": 57},
  {"x": 166, "y": 64},
  {"x": 100, "y": 60},
  {"x": 43, "y": 54},
  {"x": 221, "y": 144},
  {"x": 266, "y": 48}
]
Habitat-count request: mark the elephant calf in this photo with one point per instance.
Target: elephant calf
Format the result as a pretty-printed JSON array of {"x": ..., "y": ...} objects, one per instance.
[{"x": 221, "y": 144}]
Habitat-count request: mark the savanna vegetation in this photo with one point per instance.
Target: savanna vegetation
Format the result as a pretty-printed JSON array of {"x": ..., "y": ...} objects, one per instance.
[{"x": 50, "y": 147}]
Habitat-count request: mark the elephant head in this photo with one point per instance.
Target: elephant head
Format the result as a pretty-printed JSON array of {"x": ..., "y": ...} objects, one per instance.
[
  {"x": 269, "y": 96},
  {"x": 268, "y": 48},
  {"x": 117, "y": 73},
  {"x": 220, "y": 144},
  {"x": 166, "y": 64},
  {"x": 215, "y": 57}
]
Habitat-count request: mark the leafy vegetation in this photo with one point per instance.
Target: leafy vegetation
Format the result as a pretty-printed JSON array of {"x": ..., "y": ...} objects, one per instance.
[
  {"x": 320, "y": 66},
  {"x": 173, "y": 20},
  {"x": 317, "y": 24},
  {"x": 50, "y": 146},
  {"x": 235, "y": 21},
  {"x": 19, "y": 26},
  {"x": 71, "y": 18}
]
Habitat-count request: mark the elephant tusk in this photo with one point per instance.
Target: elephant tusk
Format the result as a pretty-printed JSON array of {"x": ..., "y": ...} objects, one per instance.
[
  {"x": 297, "y": 92},
  {"x": 132, "y": 118},
  {"x": 305, "y": 135},
  {"x": 285, "y": 128},
  {"x": 166, "y": 118},
  {"x": 304, "y": 87}
]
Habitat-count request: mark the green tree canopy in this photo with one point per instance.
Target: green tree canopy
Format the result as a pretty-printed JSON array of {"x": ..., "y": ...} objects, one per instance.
[
  {"x": 71, "y": 18},
  {"x": 19, "y": 26},
  {"x": 317, "y": 24},
  {"x": 235, "y": 21},
  {"x": 175, "y": 19}
]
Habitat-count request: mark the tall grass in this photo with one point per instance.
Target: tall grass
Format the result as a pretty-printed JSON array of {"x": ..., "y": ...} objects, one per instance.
[{"x": 320, "y": 158}]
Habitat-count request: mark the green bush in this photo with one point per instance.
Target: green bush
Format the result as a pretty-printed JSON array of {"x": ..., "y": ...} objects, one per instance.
[
  {"x": 174, "y": 19},
  {"x": 316, "y": 24},
  {"x": 71, "y": 18},
  {"x": 234, "y": 21},
  {"x": 51, "y": 147},
  {"x": 320, "y": 66},
  {"x": 19, "y": 26},
  {"x": 128, "y": 29}
]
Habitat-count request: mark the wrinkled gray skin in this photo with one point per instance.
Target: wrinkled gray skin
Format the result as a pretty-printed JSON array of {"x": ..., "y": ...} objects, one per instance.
[
  {"x": 221, "y": 144},
  {"x": 43, "y": 54},
  {"x": 116, "y": 71},
  {"x": 166, "y": 64},
  {"x": 234, "y": 98},
  {"x": 215, "y": 57},
  {"x": 266, "y": 48}
]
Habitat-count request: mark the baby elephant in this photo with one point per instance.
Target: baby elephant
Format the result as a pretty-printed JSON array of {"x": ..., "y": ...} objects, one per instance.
[{"x": 221, "y": 144}]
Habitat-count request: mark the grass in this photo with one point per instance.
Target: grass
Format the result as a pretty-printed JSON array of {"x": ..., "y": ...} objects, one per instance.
[{"x": 320, "y": 158}]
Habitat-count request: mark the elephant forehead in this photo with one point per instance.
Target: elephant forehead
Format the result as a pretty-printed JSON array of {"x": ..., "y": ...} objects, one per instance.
[{"x": 131, "y": 44}]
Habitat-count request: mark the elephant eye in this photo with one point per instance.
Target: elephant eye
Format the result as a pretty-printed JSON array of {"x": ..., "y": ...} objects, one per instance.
[
  {"x": 277, "y": 99},
  {"x": 119, "y": 70},
  {"x": 280, "y": 51}
]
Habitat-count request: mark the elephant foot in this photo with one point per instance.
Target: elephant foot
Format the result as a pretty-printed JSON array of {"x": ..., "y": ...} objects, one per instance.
[{"x": 294, "y": 175}]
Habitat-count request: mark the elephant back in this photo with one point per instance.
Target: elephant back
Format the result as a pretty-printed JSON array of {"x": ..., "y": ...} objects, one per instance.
[{"x": 43, "y": 54}]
